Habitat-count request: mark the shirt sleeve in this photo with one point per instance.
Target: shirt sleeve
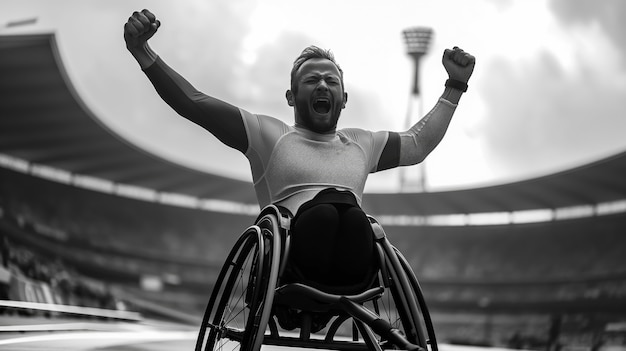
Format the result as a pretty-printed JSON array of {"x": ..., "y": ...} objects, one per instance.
[
  {"x": 262, "y": 133},
  {"x": 223, "y": 120},
  {"x": 390, "y": 156},
  {"x": 422, "y": 138},
  {"x": 373, "y": 144}
]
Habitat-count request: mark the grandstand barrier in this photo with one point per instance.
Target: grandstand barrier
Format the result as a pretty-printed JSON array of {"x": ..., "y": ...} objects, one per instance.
[
  {"x": 27, "y": 290},
  {"x": 72, "y": 310},
  {"x": 5, "y": 276},
  {"x": 160, "y": 310},
  {"x": 32, "y": 295}
]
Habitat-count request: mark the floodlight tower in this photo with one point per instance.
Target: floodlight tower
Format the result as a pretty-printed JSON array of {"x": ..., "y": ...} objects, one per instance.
[{"x": 417, "y": 40}]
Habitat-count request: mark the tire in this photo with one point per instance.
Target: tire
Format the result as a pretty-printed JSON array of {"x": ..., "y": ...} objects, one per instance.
[
  {"x": 400, "y": 304},
  {"x": 416, "y": 289},
  {"x": 239, "y": 307}
]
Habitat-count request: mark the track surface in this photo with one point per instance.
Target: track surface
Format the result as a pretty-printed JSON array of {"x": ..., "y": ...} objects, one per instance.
[
  {"x": 29, "y": 334},
  {"x": 75, "y": 334}
]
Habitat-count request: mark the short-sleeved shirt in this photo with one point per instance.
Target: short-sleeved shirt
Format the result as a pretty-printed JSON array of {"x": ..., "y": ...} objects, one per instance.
[{"x": 290, "y": 165}]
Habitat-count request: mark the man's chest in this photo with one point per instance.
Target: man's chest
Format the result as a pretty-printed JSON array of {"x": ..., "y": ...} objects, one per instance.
[{"x": 297, "y": 161}]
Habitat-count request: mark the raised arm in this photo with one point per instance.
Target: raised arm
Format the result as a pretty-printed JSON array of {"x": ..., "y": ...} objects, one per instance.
[
  {"x": 422, "y": 138},
  {"x": 223, "y": 120}
]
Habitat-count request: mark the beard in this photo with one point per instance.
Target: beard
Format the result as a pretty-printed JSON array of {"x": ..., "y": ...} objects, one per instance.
[{"x": 319, "y": 122}]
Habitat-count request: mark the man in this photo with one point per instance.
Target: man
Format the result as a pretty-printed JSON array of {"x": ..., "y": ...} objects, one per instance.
[{"x": 311, "y": 169}]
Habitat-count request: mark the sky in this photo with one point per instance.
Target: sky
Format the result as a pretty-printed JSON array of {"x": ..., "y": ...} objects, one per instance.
[{"x": 546, "y": 94}]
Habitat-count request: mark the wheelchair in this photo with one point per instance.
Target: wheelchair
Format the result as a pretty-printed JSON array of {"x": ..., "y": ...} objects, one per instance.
[{"x": 249, "y": 297}]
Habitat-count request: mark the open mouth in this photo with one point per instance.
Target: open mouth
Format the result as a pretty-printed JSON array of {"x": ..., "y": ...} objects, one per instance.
[{"x": 321, "y": 105}]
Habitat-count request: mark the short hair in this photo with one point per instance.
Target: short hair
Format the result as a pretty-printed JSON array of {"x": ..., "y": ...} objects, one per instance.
[{"x": 313, "y": 52}]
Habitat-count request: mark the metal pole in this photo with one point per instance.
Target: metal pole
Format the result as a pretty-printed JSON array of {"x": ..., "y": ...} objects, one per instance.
[{"x": 417, "y": 40}]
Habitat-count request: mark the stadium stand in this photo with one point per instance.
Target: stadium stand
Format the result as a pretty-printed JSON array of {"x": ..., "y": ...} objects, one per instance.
[
  {"x": 105, "y": 221},
  {"x": 524, "y": 285},
  {"x": 119, "y": 240},
  {"x": 535, "y": 270},
  {"x": 574, "y": 249}
]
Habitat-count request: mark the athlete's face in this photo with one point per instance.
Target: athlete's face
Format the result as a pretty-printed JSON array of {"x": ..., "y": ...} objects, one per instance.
[{"x": 319, "y": 97}]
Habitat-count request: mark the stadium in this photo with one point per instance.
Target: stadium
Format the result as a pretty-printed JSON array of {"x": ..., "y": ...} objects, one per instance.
[{"x": 99, "y": 231}]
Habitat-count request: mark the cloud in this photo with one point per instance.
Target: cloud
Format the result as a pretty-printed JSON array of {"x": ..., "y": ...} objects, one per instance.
[
  {"x": 608, "y": 14},
  {"x": 205, "y": 40},
  {"x": 263, "y": 83},
  {"x": 554, "y": 102},
  {"x": 201, "y": 40},
  {"x": 543, "y": 117}
]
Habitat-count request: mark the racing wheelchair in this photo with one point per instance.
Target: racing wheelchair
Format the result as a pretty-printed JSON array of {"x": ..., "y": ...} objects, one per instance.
[{"x": 249, "y": 298}]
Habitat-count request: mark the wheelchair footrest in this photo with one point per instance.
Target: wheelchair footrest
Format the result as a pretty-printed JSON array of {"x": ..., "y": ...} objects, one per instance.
[
  {"x": 379, "y": 325},
  {"x": 305, "y": 297}
]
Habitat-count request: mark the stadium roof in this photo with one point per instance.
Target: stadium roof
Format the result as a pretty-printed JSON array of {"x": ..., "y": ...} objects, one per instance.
[
  {"x": 44, "y": 121},
  {"x": 599, "y": 182}
]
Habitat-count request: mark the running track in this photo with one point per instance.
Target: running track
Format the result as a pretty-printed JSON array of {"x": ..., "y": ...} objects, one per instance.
[{"x": 77, "y": 335}]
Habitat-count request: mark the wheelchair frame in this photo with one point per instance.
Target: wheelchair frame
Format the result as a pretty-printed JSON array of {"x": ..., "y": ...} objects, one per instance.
[{"x": 250, "y": 275}]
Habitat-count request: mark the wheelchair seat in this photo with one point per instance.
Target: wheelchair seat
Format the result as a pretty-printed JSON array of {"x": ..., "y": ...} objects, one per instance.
[
  {"x": 256, "y": 293},
  {"x": 304, "y": 297},
  {"x": 291, "y": 273},
  {"x": 296, "y": 293}
]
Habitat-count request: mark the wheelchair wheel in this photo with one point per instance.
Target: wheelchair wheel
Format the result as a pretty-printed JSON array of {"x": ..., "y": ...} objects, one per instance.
[
  {"x": 421, "y": 301},
  {"x": 240, "y": 304},
  {"x": 402, "y": 304}
]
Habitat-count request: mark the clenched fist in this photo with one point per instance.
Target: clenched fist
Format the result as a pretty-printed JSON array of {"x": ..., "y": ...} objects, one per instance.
[
  {"x": 140, "y": 27},
  {"x": 459, "y": 64}
]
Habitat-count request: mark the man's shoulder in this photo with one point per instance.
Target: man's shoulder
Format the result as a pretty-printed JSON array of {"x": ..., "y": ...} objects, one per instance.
[
  {"x": 260, "y": 121},
  {"x": 357, "y": 134},
  {"x": 349, "y": 132},
  {"x": 272, "y": 121},
  {"x": 264, "y": 131}
]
